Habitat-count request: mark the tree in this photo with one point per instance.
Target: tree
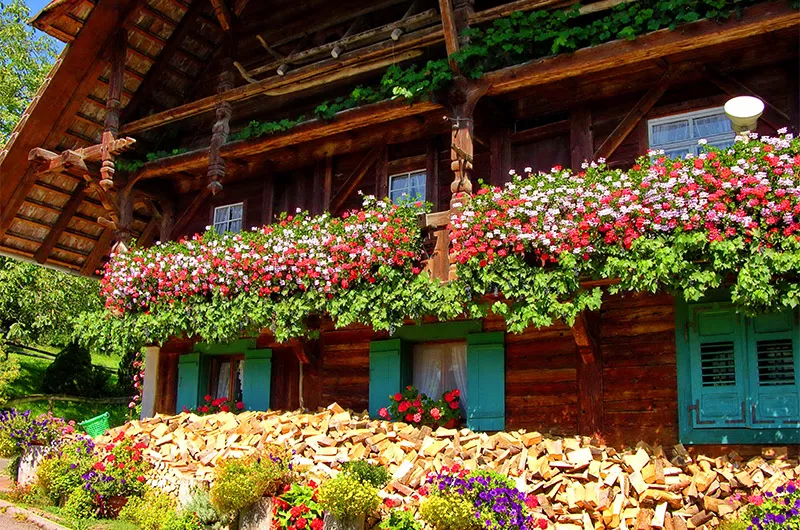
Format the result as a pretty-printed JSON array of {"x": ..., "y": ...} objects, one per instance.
[
  {"x": 40, "y": 305},
  {"x": 25, "y": 60}
]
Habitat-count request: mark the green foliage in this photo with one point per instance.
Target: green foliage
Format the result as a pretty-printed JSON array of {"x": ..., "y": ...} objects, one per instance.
[
  {"x": 80, "y": 504},
  {"x": 240, "y": 482},
  {"x": 60, "y": 472},
  {"x": 78, "y": 411},
  {"x": 201, "y": 506},
  {"x": 158, "y": 511},
  {"x": 400, "y": 520},
  {"x": 347, "y": 498},
  {"x": 24, "y": 63},
  {"x": 257, "y": 129},
  {"x": 9, "y": 374},
  {"x": 367, "y": 473},
  {"x": 73, "y": 373},
  {"x": 448, "y": 512},
  {"x": 39, "y": 304},
  {"x": 131, "y": 165}
]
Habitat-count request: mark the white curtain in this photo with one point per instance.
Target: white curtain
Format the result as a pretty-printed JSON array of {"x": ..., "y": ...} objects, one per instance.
[
  {"x": 667, "y": 133},
  {"x": 711, "y": 126},
  {"x": 440, "y": 367},
  {"x": 223, "y": 380}
]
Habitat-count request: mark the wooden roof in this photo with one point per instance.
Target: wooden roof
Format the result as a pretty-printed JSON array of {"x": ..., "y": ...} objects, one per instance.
[{"x": 171, "y": 50}]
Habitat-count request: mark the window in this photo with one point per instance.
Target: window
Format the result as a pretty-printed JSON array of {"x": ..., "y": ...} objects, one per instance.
[
  {"x": 407, "y": 187},
  {"x": 438, "y": 367},
  {"x": 678, "y": 135},
  {"x": 228, "y": 218},
  {"x": 227, "y": 374},
  {"x": 744, "y": 372}
]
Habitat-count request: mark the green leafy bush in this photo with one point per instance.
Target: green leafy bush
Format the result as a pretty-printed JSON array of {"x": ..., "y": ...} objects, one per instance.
[
  {"x": 367, "y": 473},
  {"x": 448, "y": 512},
  {"x": 80, "y": 504},
  {"x": 345, "y": 497},
  {"x": 158, "y": 511},
  {"x": 241, "y": 482},
  {"x": 206, "y": 514},
  {"x": 73, "y": 373},
  {"x": 400, "y": 520},
  {"x": 60, "y": 472},
  {"x": 9, "y": 373}
]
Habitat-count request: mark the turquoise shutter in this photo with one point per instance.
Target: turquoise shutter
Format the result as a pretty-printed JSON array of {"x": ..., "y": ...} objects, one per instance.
[
  {"x": 718, "y": 361},
  {"x": 389, "y": 371},
  {"x": 486, "y": 382},
  {"x": 257, "y": 379},
  {"x": 188, "y": 381},
  {"x": 773, "y": 347}
]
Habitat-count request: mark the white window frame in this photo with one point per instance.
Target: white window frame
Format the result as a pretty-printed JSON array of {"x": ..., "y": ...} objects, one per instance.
[
  {"x": 691, "y": 144},
  {"x": 423, "y": 172},
  {"x": 224, "y": 226}
]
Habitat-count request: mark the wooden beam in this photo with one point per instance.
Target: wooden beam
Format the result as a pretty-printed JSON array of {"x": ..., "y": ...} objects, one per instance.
[
  {"x": 755, "y": 20},
  {"x": 311, "y": 75},
  {"x": 268, "y": 198},
  {"x": 512, "y": 7},
  {"x": 634, "y": 116},
  {"x": 773, "y": 116},
  {"x": 589, "y": 364},
  {"x": 100, "y": 249},
  {"x": 149, "y": 233},
  {"x": 61, "y": 223},
  {"x": 450, "y": 30},
  {"x": 580, "y": 137},
  {"x": 382, "y": 173},
  {"x": 432, "y": 172},
  {"x": 57, "y": 101},
  {"x": 223, "y": 14},
  {"x": 159, "y": 69},
  {"x": 188, "y": 214},
  {"x": 501, "y": 160},
  {"x": 355, "y": 178},
  {"x": 327, "y": 184}
]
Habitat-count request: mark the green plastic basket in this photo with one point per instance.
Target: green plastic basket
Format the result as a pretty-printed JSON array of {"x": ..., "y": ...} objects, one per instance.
[{"x": 96, "y": 426}]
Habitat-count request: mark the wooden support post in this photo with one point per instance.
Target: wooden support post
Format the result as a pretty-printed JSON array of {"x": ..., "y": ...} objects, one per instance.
[
  {"x": 167, "y": 221},
  {"x": 635, "y": 115},
  {"x": 450, "y": 30},
  {"x": 96, "y": 256},
  {"x": 327, "y": 184},
  {"x": 122, "y": 234},
  {"x": 268, "y": 198},
  {"x": 500, "y": 147},
  {"x": 355, "y": 178},
  {"x": 773, "y": 116},
  {"x": 220, "y": 131},
  {"x": 589, "y": 360},
  {"x": 113, "y": 105},
  {"x": 223, "y": 14},
  {"x": 580, "y": 138},
  {"x": 61, "y": 223},
  {"x": 432, "y": 172},
  {"x": 382, "y": 173},
  {"x": 463, "y": 97}
]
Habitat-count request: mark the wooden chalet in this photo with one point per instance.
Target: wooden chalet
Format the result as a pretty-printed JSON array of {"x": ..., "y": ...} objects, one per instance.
[{"x": 184, "y": 76}]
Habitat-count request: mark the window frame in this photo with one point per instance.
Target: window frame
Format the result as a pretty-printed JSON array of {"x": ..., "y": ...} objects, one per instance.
[
  {"x": 687, "y": 433},
  {"x": 420, "y": 171},
  {"x": 690, "y": 143},
  {"x": 227, "y": 222},
  {"x": 215, "y": 364},
  {"x": 439, "y": 341}
]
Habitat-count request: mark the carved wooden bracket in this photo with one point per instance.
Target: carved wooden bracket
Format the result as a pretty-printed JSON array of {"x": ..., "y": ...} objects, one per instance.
[{"x": 585, "y": 332}]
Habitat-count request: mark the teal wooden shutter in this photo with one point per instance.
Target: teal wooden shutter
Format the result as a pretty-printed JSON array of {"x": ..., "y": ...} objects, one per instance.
[
  {"x": 718, "y": 361},
  {"x": 389, "y": 371},
  {"x": 257, "y": 379},
  {"x": 188, "y": 381},
  {"x": 486, "y": 381},
  {"x": 773, "y": 362}
]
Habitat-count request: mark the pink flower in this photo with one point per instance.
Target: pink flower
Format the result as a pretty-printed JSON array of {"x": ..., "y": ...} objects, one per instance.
[
  {"x": 436, "y": 413},
  {"x": 417, "y": 417},
  {"x": 383, "y": 413}
]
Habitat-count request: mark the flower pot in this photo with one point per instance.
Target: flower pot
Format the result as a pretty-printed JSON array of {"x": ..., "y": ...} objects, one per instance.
[
  {"x": 32, "y": 456},
  {"x": 258, "y": 516},
  {"x": 332, "y": 522},
  {"x": 111, "y": 506},
  {"x": 452, "y": 423}
]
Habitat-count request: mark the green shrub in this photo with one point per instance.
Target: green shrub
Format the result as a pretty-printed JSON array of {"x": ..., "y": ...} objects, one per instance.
[
  {"x": 345, "y": 497},
  {"x": 61, "y": 471},
  {"x": 207, "y": 516},
  {"x": 9, "y": 373},
  {"x": 241, "y": 482},
  {"x": 80, "y": 504},
  {"x": 73, "y": 373},
  {"x": 367, "y": 473},
  {"x": 158, "y": 511},
  {"x": 448, "y": 512},
  {"x": 400, "y": 520}
]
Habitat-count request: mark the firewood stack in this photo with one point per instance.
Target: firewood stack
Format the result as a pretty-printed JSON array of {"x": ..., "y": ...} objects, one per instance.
[{"x": 579, "y": 486}]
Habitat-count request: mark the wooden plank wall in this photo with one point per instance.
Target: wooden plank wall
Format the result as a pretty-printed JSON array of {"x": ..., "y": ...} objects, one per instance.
[{"x": 345, "y": 368}]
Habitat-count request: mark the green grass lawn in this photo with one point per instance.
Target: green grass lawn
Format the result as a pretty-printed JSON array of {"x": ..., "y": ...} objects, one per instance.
[
  {"x": 75, "y": 410},
  {"x": 54, "y": 514}
]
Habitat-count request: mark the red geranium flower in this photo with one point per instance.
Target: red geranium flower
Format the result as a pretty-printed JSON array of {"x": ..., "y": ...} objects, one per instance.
[
  {"x": 99, "y": 466},
  {"x": 240, "y": 405},
  {"x": 398, "y": 397},
  {"x": 316, "y": 524},
  {"x": 454, "y": 405}
]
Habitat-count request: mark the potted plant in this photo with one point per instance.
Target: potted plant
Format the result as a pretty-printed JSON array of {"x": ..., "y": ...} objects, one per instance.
[
  {"x": 347, "y": 501},
  {"x": 298, "y": 508},
  {"x": 416, "y": 408},
  {"x": 213, "y": 406}
]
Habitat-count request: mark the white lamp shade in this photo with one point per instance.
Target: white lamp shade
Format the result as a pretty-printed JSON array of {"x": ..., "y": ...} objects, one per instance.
[{"x": 744, "y": 112}]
